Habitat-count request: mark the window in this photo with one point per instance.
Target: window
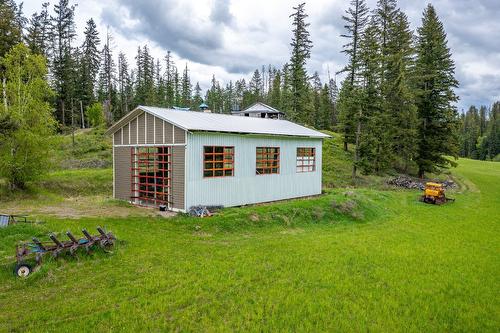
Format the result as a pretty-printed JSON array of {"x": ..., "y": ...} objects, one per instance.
[
  {"x": 268, "y": 160},
  {"x": 306, "y": 159},
  {"x": 218, "y": 161},
  {"x": 151, "y": 175}
]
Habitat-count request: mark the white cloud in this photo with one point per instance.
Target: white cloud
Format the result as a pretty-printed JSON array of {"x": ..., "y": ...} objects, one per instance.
[{"x": 232, "y": 38}]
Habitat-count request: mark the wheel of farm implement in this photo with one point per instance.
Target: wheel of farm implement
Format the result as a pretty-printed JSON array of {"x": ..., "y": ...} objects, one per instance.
[{"x": 22, "y": 270}]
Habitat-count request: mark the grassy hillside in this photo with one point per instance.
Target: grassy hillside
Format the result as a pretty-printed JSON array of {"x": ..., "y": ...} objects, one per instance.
[{"x": 352, "y": 260}]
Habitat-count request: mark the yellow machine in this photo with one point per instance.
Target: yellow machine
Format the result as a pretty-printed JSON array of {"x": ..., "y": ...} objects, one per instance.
[{"x": 434, "y": 194}]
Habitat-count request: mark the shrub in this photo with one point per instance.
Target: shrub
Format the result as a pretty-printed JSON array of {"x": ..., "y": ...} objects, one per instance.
[{"x": 95, "y": 114}]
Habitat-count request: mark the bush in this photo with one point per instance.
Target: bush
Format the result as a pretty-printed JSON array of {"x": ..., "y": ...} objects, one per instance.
[
  {"x": 496, "y": 158},
  {"x": 95, "y": 114}
]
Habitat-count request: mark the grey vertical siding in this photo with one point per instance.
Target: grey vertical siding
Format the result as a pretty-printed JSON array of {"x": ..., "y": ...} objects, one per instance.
[
  {"x": 150, "y": 129},
  {"x": 158, "y": 130},
  {"x": 179, "y": 135},
  {"x": 141, "y": 123},
  {"x": 117, "y": 137},
  {"x": 168, "y": 132},
  {"x": 133, "y": 131},
  {"x": 245, "y": 187},
  {"x": 122, "y": 166},
  {"x": 125, "y": 134},
  {"x": 178, "y": 164}
]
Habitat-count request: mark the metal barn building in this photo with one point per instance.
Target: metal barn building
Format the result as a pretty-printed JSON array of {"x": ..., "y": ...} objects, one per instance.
[{"x": 182, "y": 159}]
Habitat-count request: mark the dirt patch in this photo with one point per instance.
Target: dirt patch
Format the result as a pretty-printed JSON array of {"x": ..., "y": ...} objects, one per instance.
[{"x": 77, "y": 207}]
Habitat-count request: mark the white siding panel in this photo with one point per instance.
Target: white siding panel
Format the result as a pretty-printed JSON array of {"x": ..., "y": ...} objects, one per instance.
[{"x": 245, "y": 187}]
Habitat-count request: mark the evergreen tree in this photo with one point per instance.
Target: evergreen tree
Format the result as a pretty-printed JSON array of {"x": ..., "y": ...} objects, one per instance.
[
  {"x": 372, "y": 150},
  {"x": 125, "y": 88},
  {"x": 63, "y": 63},
  {"x": 107, "y": 77},
  {"x": 333, "y": 93},
  {"x": 274, "y": 98},
  {"x": 38, "y": 32},
  {"x": 11, "y": 25},
  {"x": 355, "y": 19},
  {"x": 398, "y": 92},
  {"x": 89, "y": 63},
  {"x": 197, "y": 99},
  {"x": 186, "y": 88},
  {"x": 255, "y": 87},
  {"x": 326, "y": 108},
  {"x": 317, "y": 87},
  {"x": 169, "y": 80},
  {"x": 301, "y": 51},
  {"x": 435, "y": 82}
]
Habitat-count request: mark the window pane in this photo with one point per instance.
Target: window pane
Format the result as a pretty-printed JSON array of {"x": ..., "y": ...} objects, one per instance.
[
  {"x": 219, "y": 149},
  {"x": 209, "y": 149}
]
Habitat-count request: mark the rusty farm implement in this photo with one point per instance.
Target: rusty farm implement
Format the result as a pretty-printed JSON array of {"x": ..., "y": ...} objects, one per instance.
[{"x": 37, "y": 250}]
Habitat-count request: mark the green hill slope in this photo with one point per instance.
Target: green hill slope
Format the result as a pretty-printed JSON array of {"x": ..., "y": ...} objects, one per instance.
[{"x": 386, "y": 262}]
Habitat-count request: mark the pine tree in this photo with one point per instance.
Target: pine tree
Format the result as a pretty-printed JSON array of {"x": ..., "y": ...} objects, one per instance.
[
  {"x": 274, "y": 98},
  {"x": 314, "y": 118},
  {"x": 63, "y": 63},
  {"x": 326, "y": 108},
  {"x": 169, "y": 80},
  {"x": 398, "y": 92},
  {"x": 107, "y": 77},
  {"x": 125, "y": 88},
  {"x": 435, "y": 82},
  {"x": 38, "y": 32},
  {"x": 89, "y": 63},
  {"x": 255, "y": 87},
  {"x": 372, "y": 151},
  {"x": 301, "y": 51},
  {"x": 186, "y": 88},
  {"x": 333, "y": 93},
  {"x": 11, "y": 25},
  {"x": 197, "y": 99},
  {"x": 355, "y": 19}
]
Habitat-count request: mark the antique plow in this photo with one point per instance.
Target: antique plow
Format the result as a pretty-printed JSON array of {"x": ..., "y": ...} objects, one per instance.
[{"x": 37, "y": 249}]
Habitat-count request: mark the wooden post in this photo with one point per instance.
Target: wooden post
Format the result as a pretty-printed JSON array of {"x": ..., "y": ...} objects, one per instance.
[
  {"x": 81, "y": 112},
  {"x": 72, "y": 123}
]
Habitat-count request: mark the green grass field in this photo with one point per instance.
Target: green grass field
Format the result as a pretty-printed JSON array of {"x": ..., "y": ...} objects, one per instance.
[{"x": 389, "y": 264}]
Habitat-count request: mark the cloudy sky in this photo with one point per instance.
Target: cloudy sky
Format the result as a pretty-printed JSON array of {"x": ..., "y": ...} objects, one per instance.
[{"x": 230, "y": 38}]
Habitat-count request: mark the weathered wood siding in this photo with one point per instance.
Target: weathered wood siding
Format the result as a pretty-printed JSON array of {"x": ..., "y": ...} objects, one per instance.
[{"x": 122, "y": 165}]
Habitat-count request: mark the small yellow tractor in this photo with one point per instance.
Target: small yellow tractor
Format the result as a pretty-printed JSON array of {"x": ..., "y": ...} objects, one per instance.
[{"x": 434, "y": 194}]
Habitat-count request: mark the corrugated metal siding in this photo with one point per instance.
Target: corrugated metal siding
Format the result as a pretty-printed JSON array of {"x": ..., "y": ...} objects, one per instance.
[
  {"x": 178, "y": 191},
  {"x": 246, "y": 187},
  {"x": 122, "y": 166},
  {"x": 179, "y": 135},
  {"x": 150, "y": 129},
  {"x": 126, "y": 134},
  {"x": 133, "y": 132},
  {"x": 158, "y": 130},
  {"x": 141, "y": 122}
]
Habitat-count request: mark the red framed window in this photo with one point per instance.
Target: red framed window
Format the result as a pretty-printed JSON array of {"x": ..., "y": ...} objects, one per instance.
[
  {"x": 267, "y": 160},
  {"x": 218, "y": 161},
  {"x": 306, "y": 159},
  {"x": 151, "y": 175}
]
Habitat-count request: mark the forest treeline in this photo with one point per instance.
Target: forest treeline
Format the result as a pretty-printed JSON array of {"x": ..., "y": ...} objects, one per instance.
[{"x": 395, "y": 107}]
